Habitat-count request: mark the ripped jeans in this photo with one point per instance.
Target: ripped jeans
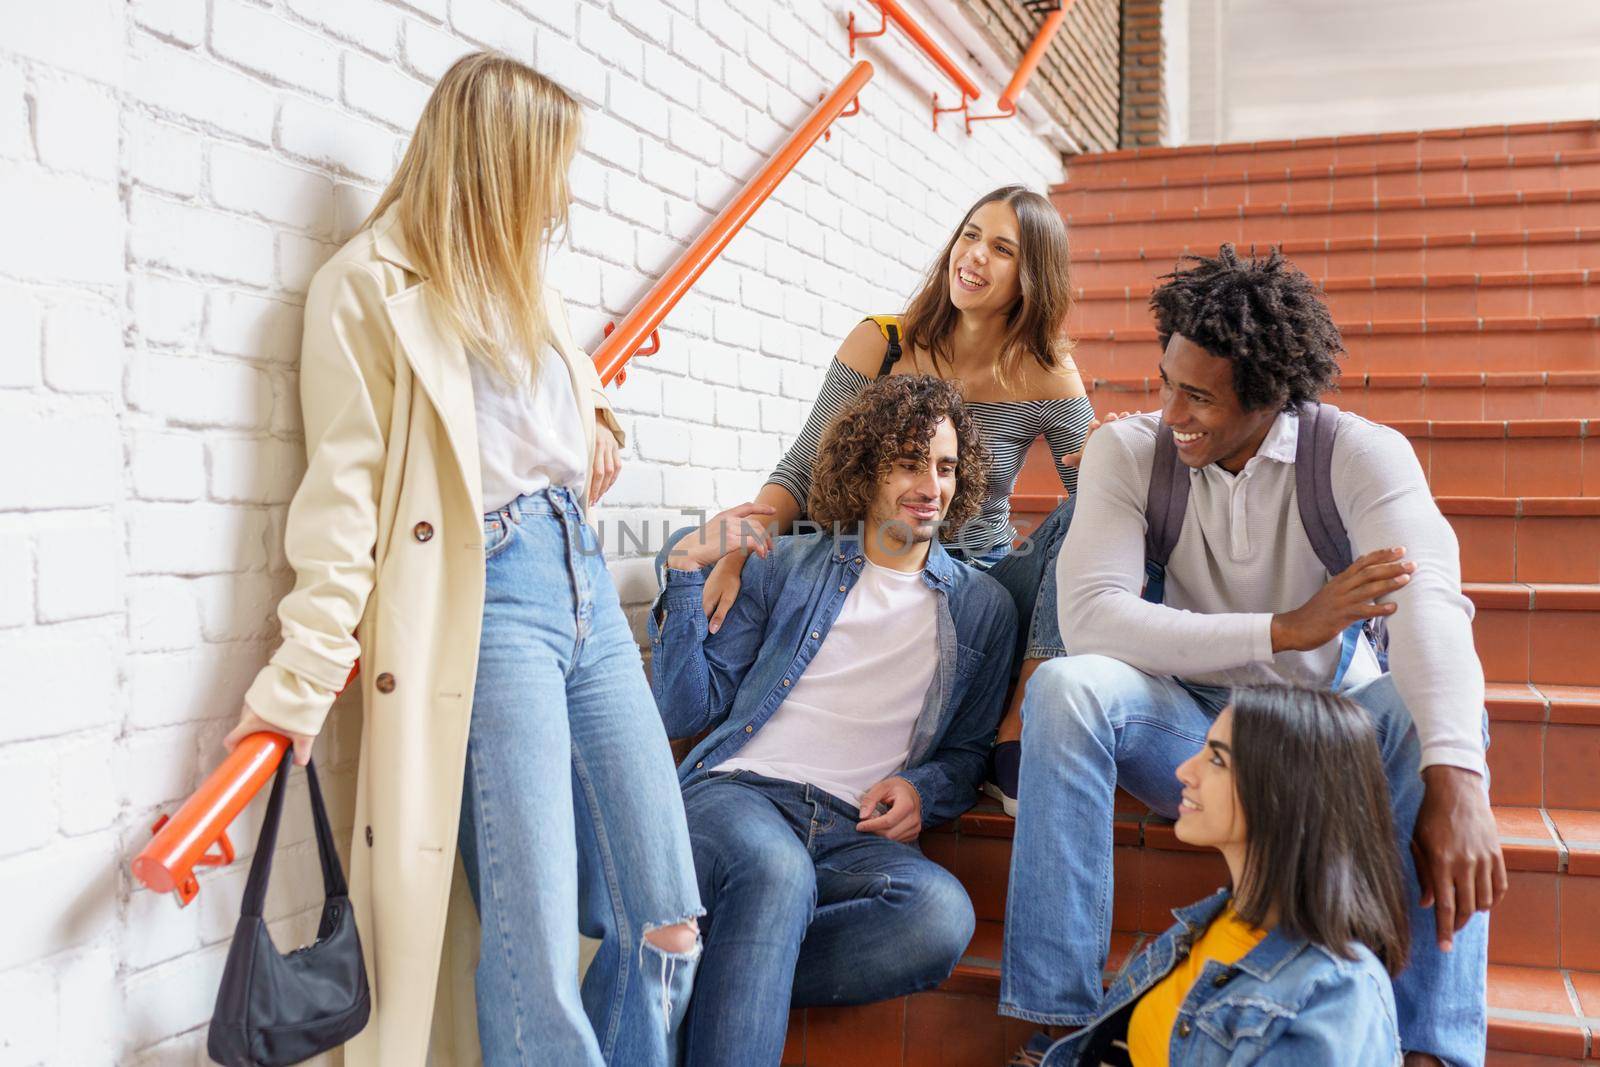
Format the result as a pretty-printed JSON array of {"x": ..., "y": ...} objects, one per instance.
[
  {"x": 571, "y": 817},
  {"x": 805, "y": 910}
]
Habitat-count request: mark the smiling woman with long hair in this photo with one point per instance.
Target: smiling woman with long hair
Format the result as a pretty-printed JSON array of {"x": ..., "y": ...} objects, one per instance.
[
  {"x": 456, "y": 437},
  {"x": 1291, "y": 964}
]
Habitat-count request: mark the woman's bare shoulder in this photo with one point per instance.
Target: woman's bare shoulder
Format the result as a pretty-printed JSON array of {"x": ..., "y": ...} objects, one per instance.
[{"x": 862, "y": 349}]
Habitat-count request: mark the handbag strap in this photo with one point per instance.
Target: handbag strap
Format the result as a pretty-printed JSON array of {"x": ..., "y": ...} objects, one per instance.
[{"x": 333, "y": 883}]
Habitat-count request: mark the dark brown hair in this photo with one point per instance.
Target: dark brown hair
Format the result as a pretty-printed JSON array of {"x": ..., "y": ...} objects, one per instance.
[
  {"x": 1035, "y": 325},
  {"x": 894, "y": 416},
  {"x": 1320, "y": 842}
]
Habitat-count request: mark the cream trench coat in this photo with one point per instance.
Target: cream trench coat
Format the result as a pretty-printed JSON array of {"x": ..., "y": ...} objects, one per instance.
[{"x": 385, "y": 535}]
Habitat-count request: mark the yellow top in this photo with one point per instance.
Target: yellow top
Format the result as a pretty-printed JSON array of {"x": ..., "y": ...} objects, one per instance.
[{"x": 1228, "y": 940}]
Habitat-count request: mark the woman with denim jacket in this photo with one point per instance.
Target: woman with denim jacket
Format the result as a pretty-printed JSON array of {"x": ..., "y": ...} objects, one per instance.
[
  {"x": 1292, "y": 964},
  {"x": 456, "y": 438}
]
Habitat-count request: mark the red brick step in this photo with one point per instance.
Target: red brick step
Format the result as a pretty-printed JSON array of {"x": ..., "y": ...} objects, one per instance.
[
  {"x": 1466, "y": 250},
  {"x": 1387, "y": 216},
  {"x": 1362, "y": 298},
  {"x": 1262, "y": 183},
  {"x": 1386, "y": 397},
  {"x": 1327, "y": 151}
]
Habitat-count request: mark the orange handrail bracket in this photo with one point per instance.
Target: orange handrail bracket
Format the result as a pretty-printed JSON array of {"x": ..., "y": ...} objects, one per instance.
[
  {"x": 893, "y": 12},
  {"x": 613, "y": 352},
  {"x": 1025, "y": 68},
  {"x": 184, "y": 840}
]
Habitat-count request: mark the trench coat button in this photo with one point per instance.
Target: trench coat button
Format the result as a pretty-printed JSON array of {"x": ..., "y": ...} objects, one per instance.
[
  {"x": 422, "y": 531},
  {"x": 369, "y": 837},
  {"x": 1184, "y": 1028},
  {"x": 385, "y": 682}
]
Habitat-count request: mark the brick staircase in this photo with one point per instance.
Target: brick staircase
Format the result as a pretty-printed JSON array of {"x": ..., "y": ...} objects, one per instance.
[{"x": 1456, "y": 264}]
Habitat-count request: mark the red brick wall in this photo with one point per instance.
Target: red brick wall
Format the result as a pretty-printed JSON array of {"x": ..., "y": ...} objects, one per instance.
[
  {"x": 1080, "y": 79},
  {"x": 1144, "y": 105}
]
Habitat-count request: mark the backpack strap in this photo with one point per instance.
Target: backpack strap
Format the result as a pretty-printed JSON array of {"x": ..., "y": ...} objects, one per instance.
[
  {"x": 1313, "y": 483},
  {"x": 1167, "y": 499},
  {"x": 1164, "y": 507},
  {"x": 889, "y": 326},
  {"x": 1319, "y": 514}
]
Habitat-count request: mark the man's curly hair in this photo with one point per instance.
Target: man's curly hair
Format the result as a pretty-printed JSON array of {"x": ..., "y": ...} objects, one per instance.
[
  {"x": 1263, "y": 315},
  {"x": 894, "y": 416}
]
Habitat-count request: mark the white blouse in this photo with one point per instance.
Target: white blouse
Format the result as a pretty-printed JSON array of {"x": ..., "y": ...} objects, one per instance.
[{"x": 530, "y": 435}]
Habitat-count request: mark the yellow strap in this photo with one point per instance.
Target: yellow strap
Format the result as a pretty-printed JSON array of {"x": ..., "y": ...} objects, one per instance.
[{"x": 884, "y": 322}]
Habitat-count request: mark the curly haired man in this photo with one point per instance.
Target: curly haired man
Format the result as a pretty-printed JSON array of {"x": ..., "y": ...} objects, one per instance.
[
  {"x": 1246, "y": 598},
  {"x": 851, "y": 694}
]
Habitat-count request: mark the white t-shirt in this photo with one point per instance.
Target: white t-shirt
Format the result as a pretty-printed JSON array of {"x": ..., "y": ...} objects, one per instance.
[
  {"x": 530, "y": 435},
  {"x": 847, "y": 722}
]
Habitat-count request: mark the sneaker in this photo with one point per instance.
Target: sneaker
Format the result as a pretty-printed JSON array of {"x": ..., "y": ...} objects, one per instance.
[
  {"x": 1005, "y": 763},
  {"x": 1031, "y": 1054}
]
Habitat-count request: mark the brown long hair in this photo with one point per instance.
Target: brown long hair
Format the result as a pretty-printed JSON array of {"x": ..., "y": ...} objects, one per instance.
[
  {"x": 1320, "y": 843},
  {"x": 481, "y": 187},
  {"x": 894, "y": 416},
  {"x": 1035, "y": 324}
]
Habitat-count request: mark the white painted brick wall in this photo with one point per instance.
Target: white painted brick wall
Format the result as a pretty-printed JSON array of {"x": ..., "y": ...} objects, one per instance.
[{"x": 172, "y": 172}]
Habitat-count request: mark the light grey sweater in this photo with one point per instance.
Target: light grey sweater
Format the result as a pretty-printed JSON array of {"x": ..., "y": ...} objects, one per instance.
[{"x": 1243, "y": 556}]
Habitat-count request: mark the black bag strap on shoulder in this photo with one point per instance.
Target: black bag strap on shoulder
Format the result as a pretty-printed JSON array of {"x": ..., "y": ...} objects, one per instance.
[{"x": 891, "y": 351}]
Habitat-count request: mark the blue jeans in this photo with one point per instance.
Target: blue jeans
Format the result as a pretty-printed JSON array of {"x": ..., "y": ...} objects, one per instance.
[
  {"x": 1028, "y": 573},
  {"x": 803, "y": 909},
  {"x": 1092, "y": 723},
  {"x": 570, "y": 813}
]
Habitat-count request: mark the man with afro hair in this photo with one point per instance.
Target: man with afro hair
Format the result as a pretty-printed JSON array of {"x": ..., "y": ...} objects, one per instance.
[{"x": 1247, "y": 344}]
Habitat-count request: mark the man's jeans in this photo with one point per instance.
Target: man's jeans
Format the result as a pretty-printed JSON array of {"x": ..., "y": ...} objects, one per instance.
[
  {"x": 570, "y": 813},
  {"x": 803, "y": 909},
  {"x": 1092, "y": 723}
]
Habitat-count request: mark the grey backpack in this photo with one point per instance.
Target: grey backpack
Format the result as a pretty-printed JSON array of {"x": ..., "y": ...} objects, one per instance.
[{"x": 1168, "y": 499}]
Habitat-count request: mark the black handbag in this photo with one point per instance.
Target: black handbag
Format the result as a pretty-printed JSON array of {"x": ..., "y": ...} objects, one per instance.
[{"x": 272, "y": 1009}]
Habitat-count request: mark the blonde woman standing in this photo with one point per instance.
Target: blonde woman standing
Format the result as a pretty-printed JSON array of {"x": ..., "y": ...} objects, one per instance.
[{"x": 441, "y": 535}]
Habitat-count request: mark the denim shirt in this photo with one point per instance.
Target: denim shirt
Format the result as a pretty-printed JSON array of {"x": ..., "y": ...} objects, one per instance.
[
  {"x": 1287, "y": 1001},
  {"x": 733, "y": 681}
]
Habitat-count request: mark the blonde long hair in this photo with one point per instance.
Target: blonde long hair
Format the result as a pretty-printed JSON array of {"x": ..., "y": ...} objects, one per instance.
[{"x": 482, "y": 186}]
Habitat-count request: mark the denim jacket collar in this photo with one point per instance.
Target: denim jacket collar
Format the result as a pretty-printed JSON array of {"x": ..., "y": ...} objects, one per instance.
[
  {"x": 938, "y": 572},
  {"x": 1265, "y": 960}
]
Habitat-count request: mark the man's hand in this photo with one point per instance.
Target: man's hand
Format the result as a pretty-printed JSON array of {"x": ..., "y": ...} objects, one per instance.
[
  {"x": 251, "y": 723},
  {"x": 1348, "y": 597},
  {"x": 1073, "y": 459},
  {"x": 1457, "y": 849},
  {"x": 738, "y": 527},
  {"x": 903, "y": 819},
  {"x": 607, "y": 462}
]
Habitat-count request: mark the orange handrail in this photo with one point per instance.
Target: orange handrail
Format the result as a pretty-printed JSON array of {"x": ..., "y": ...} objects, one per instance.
[
  {"x": 620, "y": 344},
  {"x": 184, "y": 840},
  {"x": 893, "y": 12},
  {"x": 1028, "y": 64}
]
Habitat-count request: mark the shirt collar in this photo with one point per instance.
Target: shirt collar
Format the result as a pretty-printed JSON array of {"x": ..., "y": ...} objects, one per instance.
[
  {"x": 940, "y": 568},
  {"x": 1280, "y": 443}
]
